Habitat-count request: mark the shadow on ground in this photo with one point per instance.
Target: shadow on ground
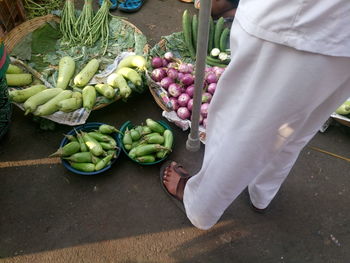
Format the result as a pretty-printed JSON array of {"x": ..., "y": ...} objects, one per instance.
[{"x": 51, "y": 215}]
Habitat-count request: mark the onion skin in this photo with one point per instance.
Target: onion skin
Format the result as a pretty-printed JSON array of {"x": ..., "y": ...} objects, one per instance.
[
  {"x": 190, "y": 105},
  {"x": 190, "y": 90},
  {"x": 206, "y": 97},
  {"x": 157, "y": 62},
  {"x": 183, "y": 113},
  {"x": 183, "y": 99},
  {"x": 174, "y": 103},
  {"x": 166, "y": 82},
  {"x": 175, "y": 90},
  {"x": 158, "y": 74},
  {"x": 172, "y": 73},
  {"x": 211, "y": 88},
  {"x": 204, "y": 109}
]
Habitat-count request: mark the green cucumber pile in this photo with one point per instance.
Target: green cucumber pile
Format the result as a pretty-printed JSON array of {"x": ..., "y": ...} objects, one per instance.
[
  {"x": 218, "y": 52},
  {"x": 42, "y": 101},
  {"x": 90, "y": 151},
  {"x": 148, "y": 143}
]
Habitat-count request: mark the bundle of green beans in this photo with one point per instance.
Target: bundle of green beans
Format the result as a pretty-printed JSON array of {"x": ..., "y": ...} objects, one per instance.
[
  {"x": 100, "y": 26},
  {"x": 84, "y": 22},
  {"x": 41, "y": 8},
  {"x": 68, "y": 21}
]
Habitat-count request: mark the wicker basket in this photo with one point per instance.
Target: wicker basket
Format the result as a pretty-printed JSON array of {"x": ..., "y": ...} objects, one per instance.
[
  {"x": 11, "y": 14},
  {"x": 153, "y": 86},
  {"x": 20, "y": 31}
]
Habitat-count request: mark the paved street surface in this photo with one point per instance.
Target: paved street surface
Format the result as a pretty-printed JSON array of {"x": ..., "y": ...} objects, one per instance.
[{"x": 51, "y": 215}]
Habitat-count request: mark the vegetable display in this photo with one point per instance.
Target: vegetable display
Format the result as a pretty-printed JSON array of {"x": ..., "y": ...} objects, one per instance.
[
  {"x": 90, "y": 150},
  {"x": 147, "y": 143},
  {"x": 218, "y": 54},
  {"x": 42, "y": 101},
  {"x": 177, "y": 79}
]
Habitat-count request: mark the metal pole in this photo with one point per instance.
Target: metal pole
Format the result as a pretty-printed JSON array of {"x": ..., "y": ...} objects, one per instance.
[{"x": 193, "y": 143}]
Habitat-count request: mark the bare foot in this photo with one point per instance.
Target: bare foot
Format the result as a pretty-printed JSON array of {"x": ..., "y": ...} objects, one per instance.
[{"x": 174, "y": 180}]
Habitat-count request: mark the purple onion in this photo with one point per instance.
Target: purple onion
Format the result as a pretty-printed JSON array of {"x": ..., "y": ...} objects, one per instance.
[
  {"x": 169, "y": 56},
  {"x": 165, "y": 82},
  {"x": 201, "y": 118},
  {"x": 205, "y": 121},
  {"x": 183, "y": 99},
  {"x": 165, "y": 62},
  {"x": 183, "y": 113},
  {"x": 172, "y": 73},
  {"x": 174, "y": 89},
  {"x": 190, "y": 105},
  {"x": 187, "y": 79},
  {"x": 204, "y": 109},
  {"x": 212, "y": 88},
  {"x": 184, "y": 68},
  {"x": 208, "y": 69},
  {"x": 190, "y": 67},
  {"x": 157, "y": 62},
  {"x": 218, "y": 71},
  {"x": 180, "y": 75},
  {"x": 190, "y": 90},
  {"x": 174, "y": 103},
  {"x": 158, "y": 74},
  {"x": 206, "y": 97},
  {"x": 211, "y": 78}
]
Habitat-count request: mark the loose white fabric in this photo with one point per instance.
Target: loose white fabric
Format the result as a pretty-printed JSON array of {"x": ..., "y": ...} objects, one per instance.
[
  {"x": 320, "y": 26},
  {"x": 269, "y": 103}
]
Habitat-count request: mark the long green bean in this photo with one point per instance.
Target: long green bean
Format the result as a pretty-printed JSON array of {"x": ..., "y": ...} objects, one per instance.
[
  {"x": 68, "y": 21},
  {"x": 84, "y": 22},
  {"x": 100, "y": 26}
]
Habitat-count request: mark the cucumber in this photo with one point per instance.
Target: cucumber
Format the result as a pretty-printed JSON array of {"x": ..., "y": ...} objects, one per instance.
[
  {"x": 211, "y": 34},
  {"x": 40, "y": 98},
  {"x": 211, "y": 62},
  {"x": 12, "y": 69},
  {"x": 194, "y": 31},
  {"x": 105, "y": 90},
  {"x": 219, "y": 27},
  {"x": 187, "y": 32},
  {"x": 21, "y": 95},
  {"x": 89, "y": 97},
  {"x": 86, "y": 74},
  {"x": 66, "y": 68},
  {"x": 18, "y": 80},
  {"x": 223, "y": 39},
  {"x": 133, "y": 61},
  {"x": 52, "y": 106},
  {"x": 131, "y": 75},
  {"x": 116, "y": 80}
]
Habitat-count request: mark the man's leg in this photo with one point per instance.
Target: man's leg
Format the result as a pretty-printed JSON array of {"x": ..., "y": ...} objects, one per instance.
[{"x": 263, "y": 99}]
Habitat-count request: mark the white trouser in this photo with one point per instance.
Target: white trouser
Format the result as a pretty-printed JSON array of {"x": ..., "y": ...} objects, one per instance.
[{"x": 269, "y": 103}]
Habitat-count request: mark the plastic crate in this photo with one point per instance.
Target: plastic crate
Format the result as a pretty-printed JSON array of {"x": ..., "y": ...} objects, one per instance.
[{"x": 11, "y": 14}]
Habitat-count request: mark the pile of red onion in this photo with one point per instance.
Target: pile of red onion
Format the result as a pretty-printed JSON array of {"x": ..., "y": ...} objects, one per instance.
[{"x": 177, "y": 78}]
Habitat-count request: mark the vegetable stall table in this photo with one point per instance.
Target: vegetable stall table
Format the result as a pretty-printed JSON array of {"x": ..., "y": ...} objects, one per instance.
[{"x": 44, "y": 48}]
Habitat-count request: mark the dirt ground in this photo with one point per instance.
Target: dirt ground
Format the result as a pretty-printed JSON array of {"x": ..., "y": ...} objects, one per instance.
[{"x": 51, "y": 215}]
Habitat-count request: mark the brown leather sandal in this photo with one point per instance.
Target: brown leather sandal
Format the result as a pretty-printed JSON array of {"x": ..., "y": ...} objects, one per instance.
[{"x": 177, "y": 198}]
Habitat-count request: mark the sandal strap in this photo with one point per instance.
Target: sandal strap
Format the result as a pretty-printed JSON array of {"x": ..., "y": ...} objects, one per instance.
[{"x": 180, "y": 188}]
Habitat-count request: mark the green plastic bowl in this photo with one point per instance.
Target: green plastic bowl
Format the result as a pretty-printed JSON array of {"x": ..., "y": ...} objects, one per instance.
[{"x": 129, "y": 125}]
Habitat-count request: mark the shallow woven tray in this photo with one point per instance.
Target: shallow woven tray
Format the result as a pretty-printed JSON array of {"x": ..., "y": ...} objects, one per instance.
[{"x": 20, "y": 31}]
